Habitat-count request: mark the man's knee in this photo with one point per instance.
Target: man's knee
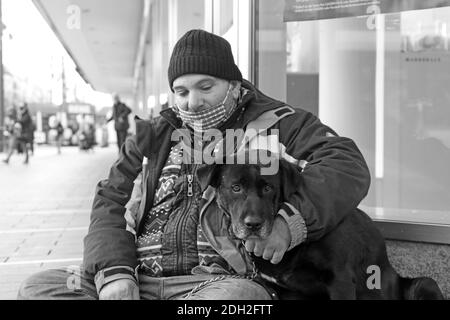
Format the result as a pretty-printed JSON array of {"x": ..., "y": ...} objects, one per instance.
[
  {"x": 63, "y": 283},
  {"x": 233, "y": 289},
  {"x": 32, "y": 287}
]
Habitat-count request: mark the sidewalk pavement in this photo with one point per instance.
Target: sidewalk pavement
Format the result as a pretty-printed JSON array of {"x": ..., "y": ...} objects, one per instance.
[{"x": 44, "y": 210}]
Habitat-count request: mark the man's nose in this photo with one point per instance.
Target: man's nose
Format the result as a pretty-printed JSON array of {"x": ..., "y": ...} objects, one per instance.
[{"x": 195, "y": 102}]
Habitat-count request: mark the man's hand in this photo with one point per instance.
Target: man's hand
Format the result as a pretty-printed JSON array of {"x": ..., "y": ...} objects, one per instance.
[
  {"x": 122, "y": 289},
  {"x": 275, "y": 245}
]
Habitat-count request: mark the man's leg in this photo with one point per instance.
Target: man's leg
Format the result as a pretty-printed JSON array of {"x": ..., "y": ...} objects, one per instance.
[
  {"x": 119, "y": 139},
  {"x": 25, "y": 149},
  {"x": 231, "y": 289},
  {"x": 177, "y": 288},
  {"x": 65, "y": 283}
]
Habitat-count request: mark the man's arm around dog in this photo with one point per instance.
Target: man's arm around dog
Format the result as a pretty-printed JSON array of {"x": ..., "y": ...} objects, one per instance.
[{"x": 330, "y": 180}]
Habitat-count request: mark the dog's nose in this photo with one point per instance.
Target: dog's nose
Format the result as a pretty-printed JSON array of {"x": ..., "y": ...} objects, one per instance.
[{"x": 252, "y": 223}]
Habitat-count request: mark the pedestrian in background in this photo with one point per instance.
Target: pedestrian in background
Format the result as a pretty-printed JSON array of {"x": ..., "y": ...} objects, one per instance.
[
  {"x": 32, "y": 130},
  {"x": 87, "y": 137},
  {"x": 120, "y": 116},
  {"x": 22, "y": 132},
  {"x": 59, "y": 136},
  {"x": 26, "y": 122}
]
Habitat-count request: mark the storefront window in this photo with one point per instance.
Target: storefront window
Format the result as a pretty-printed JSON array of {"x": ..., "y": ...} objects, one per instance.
[
  {"x": 227, "y": 18},
  {"x": 386, "y": 87},
  {"x": 231, "y": 21},
  {"x": 223, "y": 18},
  {"x": 224, "y": 22}
]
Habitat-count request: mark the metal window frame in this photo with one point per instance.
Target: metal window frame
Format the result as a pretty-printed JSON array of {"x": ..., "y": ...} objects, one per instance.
[
  {"x": 415, "y": 232},
  {"x": 253, "y": 57}
]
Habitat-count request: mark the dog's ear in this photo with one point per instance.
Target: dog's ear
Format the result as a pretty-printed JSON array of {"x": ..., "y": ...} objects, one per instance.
[
  {"x": 290, "y": 179},
  {"x": 209, "y": 175}
]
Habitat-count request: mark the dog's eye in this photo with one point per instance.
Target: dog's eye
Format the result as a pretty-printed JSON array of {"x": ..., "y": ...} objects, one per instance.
[
  {"x": 267, "y": 188},
  {"x": 236, "y": 188}
]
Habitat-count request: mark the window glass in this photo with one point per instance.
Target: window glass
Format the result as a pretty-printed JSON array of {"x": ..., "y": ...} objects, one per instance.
[
  {"x": 231, "y": 21},
  {"x": 387, "y": 88},
  {"x": 224, "y": 23},
  {"x": 225, "y": 17},
  {"x": 182, "y": 17}
]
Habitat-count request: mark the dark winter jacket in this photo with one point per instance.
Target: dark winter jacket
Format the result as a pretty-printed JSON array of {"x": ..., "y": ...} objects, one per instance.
[{"x": 27, "y": 126}]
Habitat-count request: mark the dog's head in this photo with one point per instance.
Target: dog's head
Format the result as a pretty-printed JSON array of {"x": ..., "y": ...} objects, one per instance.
[{"x": 250, "y": 198}]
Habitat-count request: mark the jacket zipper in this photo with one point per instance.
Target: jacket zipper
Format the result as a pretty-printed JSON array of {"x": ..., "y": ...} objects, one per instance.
[
  {"x": 190, "y": 193},
  {"x": 190, "y": 178}
]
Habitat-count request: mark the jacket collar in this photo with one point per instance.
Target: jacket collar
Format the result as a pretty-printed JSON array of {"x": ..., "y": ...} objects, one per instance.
[{"x": 171, "y": 118}]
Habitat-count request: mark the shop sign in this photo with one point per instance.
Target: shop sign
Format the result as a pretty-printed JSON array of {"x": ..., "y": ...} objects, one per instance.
[
  {"x": 79, "y": 109},
  {"x": 303, "y": 10}
]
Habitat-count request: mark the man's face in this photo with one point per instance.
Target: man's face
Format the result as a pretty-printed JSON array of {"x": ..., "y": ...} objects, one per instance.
[{"x": 197, "y": 92}]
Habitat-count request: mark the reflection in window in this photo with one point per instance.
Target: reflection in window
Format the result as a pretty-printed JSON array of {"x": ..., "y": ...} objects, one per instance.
[{"x": 418, "y": 73}]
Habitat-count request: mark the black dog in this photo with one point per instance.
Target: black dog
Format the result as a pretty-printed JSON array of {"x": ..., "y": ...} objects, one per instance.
[{"x": 334, "y": 267}]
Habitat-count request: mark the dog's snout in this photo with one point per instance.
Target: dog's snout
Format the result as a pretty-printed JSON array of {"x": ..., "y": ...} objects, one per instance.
[{"x": 253, "y": 223}]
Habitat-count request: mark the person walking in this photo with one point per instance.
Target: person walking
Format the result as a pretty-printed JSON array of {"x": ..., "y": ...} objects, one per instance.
[
  {"x": 120, "y": 117},
  {"x": 22, "y": 133},
  {"x": 59, "y": 136}
]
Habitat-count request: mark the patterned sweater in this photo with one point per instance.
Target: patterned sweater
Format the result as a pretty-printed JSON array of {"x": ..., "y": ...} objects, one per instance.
[{"x": 150, "y": 242}]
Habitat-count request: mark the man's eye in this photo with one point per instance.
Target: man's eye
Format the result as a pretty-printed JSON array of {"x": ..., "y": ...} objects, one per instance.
[
  {"x": 206, "y": 88},
  {"x": 267, "y": 188},
  {"x": 236, "y": 188},
  {"x": 181, "y": 93}
]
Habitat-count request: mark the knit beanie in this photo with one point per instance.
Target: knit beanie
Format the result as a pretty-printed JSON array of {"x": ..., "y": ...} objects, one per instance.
[{"x": 201, "y": 52}]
